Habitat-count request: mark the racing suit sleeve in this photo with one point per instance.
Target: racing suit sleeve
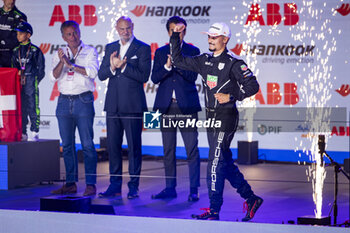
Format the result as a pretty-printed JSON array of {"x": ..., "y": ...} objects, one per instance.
[
  {"x": 14, "y": 62},
  {"x": 40, "y": 62},
  {"x": 190, "y": 76},
  {"x": 245, "y": 79},
  {"x": 179, "y": 60}
]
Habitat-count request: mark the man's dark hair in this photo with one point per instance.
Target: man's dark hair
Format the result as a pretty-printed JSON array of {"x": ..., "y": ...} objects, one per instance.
[
  {"x": 175, "y": 20},
  {"x": 69, "y": 23}
]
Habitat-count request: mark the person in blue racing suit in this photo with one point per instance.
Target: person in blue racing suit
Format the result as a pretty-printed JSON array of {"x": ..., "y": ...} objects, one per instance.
[{"x": 30, "y": 62}]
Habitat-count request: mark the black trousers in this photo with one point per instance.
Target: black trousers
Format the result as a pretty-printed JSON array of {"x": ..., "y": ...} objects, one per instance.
[
  {"x": 132, "y": 125},
  {"x": 220, "y": 163},
  {"x": 30, "y": 105},
  {"x": 190, "y": 138}
]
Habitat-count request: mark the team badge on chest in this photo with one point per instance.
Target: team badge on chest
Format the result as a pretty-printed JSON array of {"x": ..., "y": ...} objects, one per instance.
[
  {"x": 212, "y": 81},
  {"x": 221, "y": 66}
]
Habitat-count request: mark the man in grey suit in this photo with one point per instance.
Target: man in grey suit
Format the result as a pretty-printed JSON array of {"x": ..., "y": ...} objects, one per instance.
[{"x": 127, "y": 65}]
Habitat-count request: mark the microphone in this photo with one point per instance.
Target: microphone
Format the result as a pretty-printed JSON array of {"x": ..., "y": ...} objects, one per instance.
[{"x": 321, "y": 146}]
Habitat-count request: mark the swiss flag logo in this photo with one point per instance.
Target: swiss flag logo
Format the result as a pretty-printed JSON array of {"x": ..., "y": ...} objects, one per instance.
[{"x": 10, "y": 105}]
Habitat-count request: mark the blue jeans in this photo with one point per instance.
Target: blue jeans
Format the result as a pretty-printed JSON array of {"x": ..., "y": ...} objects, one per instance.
[{"x": 72, "y": 112}]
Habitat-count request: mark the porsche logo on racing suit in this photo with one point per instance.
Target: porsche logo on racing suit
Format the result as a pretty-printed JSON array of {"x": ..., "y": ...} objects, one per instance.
[
  {"x": 212, "y": 81},
  {"x": 221, "y": 66}
]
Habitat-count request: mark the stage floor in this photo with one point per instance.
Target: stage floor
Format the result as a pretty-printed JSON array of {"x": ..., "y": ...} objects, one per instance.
[{"x": 285, "y": 188}]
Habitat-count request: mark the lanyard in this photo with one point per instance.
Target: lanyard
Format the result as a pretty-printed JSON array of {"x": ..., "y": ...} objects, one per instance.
[
  {"x": 72, "y": 60},
  {"x": 23, "y": 66}
]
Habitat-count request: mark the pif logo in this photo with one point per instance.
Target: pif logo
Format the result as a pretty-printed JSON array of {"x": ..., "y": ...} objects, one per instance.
[
  {"x": 151, "y": 120},
  {"x": 263, "y": 129}
]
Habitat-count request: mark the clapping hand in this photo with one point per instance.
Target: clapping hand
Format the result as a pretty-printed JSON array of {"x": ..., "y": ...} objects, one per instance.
[
  {"x": 64, "y": 58},
  {"x": 117, "y": 62}
]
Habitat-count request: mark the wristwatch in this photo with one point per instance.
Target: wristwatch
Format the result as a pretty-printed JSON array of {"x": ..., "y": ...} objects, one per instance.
[
  {"x": 232, "y": 98},
  {"x": 72, "y": 69}
]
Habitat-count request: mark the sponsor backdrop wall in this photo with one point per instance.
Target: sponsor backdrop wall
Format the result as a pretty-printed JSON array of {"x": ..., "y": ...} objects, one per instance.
[{"x": 298, "y": 50}]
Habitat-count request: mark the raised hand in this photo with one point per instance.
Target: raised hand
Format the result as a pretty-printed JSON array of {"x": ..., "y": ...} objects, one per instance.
[
  {"x": 168, "y": 61},
  {"x": 64, "y": 58},
  {"x": 179, "y": 27}
]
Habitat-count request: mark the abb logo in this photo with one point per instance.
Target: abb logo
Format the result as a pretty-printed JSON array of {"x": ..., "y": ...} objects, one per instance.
[
  {"x": 344, "y": 10},
  {"x": 344, "y": 90},
  {"x": 274, "y": 96},
  {"x": 90, "y": 18},
  {"x": 274, "y": 16},
  {"x": 342, "y": 131}
]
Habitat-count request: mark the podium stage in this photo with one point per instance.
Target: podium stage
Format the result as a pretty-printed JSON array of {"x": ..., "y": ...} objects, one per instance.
[{"x": 24, "y": 163}]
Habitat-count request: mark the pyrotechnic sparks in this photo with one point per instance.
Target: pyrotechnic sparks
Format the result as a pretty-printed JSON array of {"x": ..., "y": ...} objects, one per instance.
[
  {"x": 111, "y": 12},
  {"x": 315, "y": 90},
  {"x": 251, "y": 32}
]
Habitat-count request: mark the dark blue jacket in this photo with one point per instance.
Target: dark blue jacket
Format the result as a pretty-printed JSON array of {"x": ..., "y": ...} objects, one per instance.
[
  {"x": 182, "y": 81},
  {"x": 8, "y": 36},
  {"x": 125, "y": 92}
]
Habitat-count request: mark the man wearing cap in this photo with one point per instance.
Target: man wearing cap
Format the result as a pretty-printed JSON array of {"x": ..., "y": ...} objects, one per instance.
[
  {"x": 225, "y": 79},
  {"x": 10, "y": 17},
  {"x": 30, "y": 62}
]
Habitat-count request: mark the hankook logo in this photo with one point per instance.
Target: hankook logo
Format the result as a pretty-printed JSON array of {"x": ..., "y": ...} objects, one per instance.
[
  {"x": 344, "y": 10},
  {"x": 275, "y": 50},
  {"x": 51, "y": 48},
  {"x": 162, "y": 11},
  {"x": 344, "y": 90}
]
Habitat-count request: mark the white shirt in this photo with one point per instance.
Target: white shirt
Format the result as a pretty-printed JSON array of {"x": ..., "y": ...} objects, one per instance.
[
  {"x": 122, "y": 51},
  {"x": 124, "y": 48},
  {"x": 87, "y": 58}
]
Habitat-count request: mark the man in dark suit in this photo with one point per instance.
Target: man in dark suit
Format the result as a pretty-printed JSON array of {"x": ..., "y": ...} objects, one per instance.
[
  {"x": 177, "y": 96},
  {"x": 127, "y": 65}
]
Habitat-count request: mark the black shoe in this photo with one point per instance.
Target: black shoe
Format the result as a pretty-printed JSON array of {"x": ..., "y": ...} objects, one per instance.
[
  {"x": 111, "y": 192},
  {"x": 165, "y": 193},
  {"x": 209, "y": 214},
  {"x": 251, "y": 205},
  {"x": 133, "y": 194},
  {"x": 193, "y": 197}
]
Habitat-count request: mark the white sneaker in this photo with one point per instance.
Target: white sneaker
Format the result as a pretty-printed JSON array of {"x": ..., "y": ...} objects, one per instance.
[
  {"x": 35, "y": 137},
  {"x": 24, "y": 138}
]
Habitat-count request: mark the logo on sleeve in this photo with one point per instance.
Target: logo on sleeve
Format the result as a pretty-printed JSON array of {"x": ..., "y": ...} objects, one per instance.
[
  {"x": 212, "y": 81},
  {"x": 244, "y": 67}
]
